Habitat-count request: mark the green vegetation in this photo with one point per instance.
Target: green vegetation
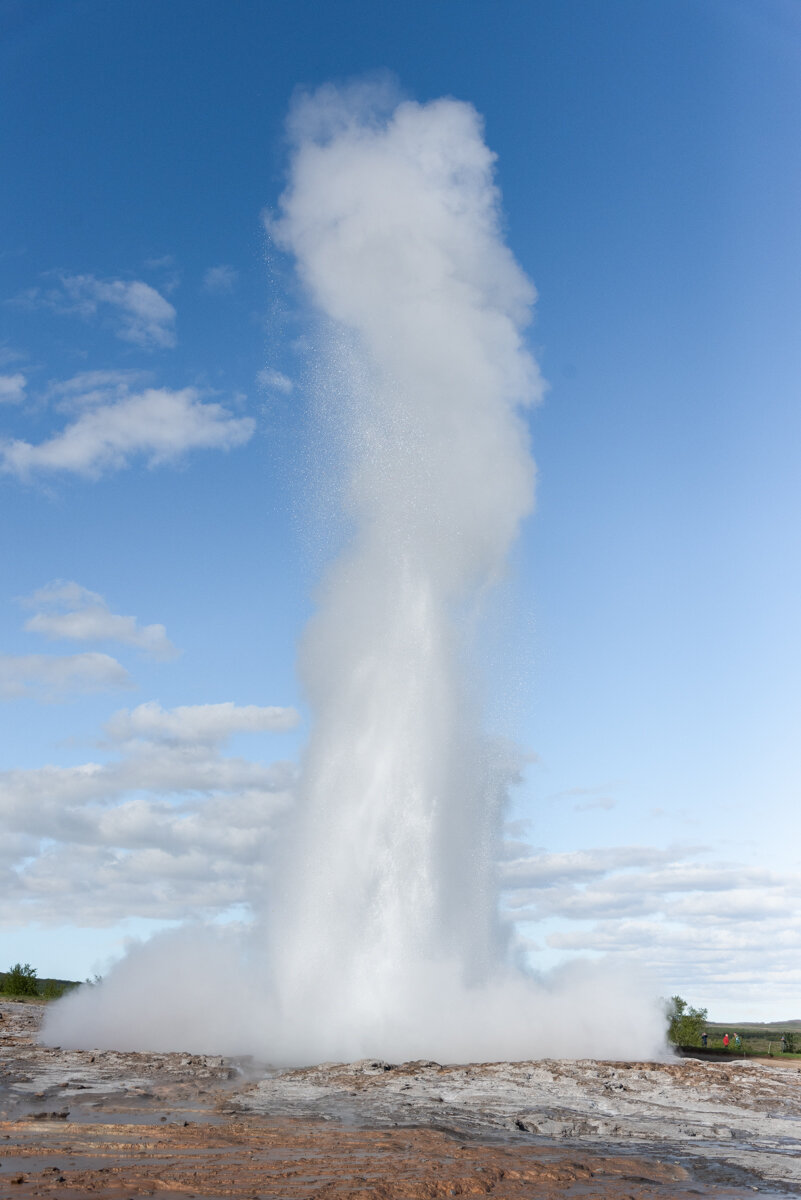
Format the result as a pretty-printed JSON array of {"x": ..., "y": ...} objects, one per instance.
[
  {"x": 22, "y": 982},
  {"x": 758, "y": 1038},
  {"x": 54, "y": 989},
  {"x": 685, "y": 1023},
  {"x": 686, "y": 1026}
]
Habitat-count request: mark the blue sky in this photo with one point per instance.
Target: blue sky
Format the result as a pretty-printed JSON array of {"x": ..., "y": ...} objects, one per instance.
[{"x": 647, "y": 649}]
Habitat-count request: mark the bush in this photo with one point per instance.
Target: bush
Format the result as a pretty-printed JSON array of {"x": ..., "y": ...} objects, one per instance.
[
  {"x": 21, "y": 981},
  {"x": 685, "y": 1023}
]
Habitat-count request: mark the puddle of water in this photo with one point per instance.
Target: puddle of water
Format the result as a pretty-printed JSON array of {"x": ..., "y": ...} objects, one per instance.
[{"x": 172, "y": 1116}]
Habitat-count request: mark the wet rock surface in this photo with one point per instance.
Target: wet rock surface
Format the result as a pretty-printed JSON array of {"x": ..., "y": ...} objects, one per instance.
[
  {"x": 746, "y": 1115},
  {"x": 78, "y": 1123}
]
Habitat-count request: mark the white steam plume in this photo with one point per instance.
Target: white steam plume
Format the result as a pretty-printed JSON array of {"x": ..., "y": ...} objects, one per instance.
[
  {"x": 383, "y": 936},
  {"x": 394, "y": 227}
]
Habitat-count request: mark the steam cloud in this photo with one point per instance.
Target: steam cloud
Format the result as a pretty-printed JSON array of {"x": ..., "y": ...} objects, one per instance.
[{"x": 382, "y": 936}]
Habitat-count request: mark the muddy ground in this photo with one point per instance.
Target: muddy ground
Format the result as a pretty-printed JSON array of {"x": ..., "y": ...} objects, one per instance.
[{"x": 103, "y": 1124}]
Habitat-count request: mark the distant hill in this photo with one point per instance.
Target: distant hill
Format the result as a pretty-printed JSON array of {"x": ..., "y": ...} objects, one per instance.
[{"x": 757, "y": 1027}]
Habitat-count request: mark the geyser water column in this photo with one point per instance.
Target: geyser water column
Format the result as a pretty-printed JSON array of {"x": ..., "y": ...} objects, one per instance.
[
  {"x": 381, "y": 934},
  {"x": 388, "y": 885}
]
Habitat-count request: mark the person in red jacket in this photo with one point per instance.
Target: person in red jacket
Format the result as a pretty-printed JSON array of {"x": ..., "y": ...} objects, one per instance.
[{"x": 725, "y": 1041}]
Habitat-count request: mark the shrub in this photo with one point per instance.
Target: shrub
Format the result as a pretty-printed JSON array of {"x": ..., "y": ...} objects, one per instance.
[
  {"x": 685, "y": 1023},
  {"x": 21, "y": 981}
]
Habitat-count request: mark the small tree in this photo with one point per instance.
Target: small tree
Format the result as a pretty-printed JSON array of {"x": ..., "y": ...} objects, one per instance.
[
  {"x": 685, "y": 1023},
  {"x": 21, "y": 981},
  {"x": 789, "y": 1043}
]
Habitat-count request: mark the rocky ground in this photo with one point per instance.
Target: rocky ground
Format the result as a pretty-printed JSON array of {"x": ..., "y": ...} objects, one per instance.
[{"x": 83, "y": 1123}]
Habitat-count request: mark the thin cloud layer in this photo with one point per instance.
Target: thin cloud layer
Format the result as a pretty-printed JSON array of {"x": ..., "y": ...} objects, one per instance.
[
  {"x": 220, "y": 279},
  {"x": 274, "y": 381},
  {"x": 12, "y": 388},
  {"x": 145, "y": 317},
  {"x": 67, "y": 610},
  {"x": 90, "y": 388},
  {"x": 540, "y": 870},
  {"x": 209, "y": 723},
  {"x": 53, "y": 677},
  {"x": 138, "y": 313},
  {"x": 157, "y": 425}
]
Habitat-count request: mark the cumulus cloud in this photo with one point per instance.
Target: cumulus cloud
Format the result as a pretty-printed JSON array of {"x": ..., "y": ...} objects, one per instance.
[
  {"x": 67, "y": 610},
  {"x": 737, "y": 960},
  {"x": 168, "y": 828},
  {"x": 220, "y": 279},
  {"x": 157, "y": 425},
  {"x": 274, "y": 381},
  {"x": 209, "y": 723},
  {"x": 12, "y": 388},
  {"x": 52, "y": 677},
  {"x": 711, "y": 930}
]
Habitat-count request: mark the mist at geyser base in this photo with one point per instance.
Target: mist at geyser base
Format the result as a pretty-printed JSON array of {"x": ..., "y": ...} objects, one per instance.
[{"x": 381, "y": 935}]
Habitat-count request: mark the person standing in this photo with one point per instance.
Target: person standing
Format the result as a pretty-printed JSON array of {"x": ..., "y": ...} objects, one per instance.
[{"x": 725, "y": 1041}]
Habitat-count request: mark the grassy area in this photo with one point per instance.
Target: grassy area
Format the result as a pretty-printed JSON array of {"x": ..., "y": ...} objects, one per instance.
[{"x": 761, "y": 1038}]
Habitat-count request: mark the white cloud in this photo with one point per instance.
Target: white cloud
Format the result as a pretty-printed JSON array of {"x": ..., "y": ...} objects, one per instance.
[
  {"x": 92, "y": 803},
  {"x": 52, "y": 677},
  {"x": 169, "y": 271},
  {"x": 274, "y": 381},
  {"x": 542, "y": 869},
  {"x": 156, "y": 424},
  {"x": 168, "y": 829},
  {"x": 136, "y": 311},
  {"x": 172, "y": 828},
  {"x": 605, "y": 802},
  {"x": 68, "y": 610},
  {"x": 719, "y": 933},
  {"x": 12, "y": 388},
  {"x": 740, "y": 966},
  {"x": 208, "y": 723},
  {"x": 140, "y": 314},
  {"x": 9, "y": 356},
  {"x": 220, "y": 279},
  {"x": 90, "y": 388}
]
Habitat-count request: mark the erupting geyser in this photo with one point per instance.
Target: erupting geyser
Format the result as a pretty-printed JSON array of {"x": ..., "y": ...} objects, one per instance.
[
  {"x": 393, "y": 223},
  {"x": 382, "y": 935}
]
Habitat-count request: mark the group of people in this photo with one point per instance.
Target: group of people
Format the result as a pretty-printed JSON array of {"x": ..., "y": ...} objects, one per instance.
[{"x": 734, "y": 1041}]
